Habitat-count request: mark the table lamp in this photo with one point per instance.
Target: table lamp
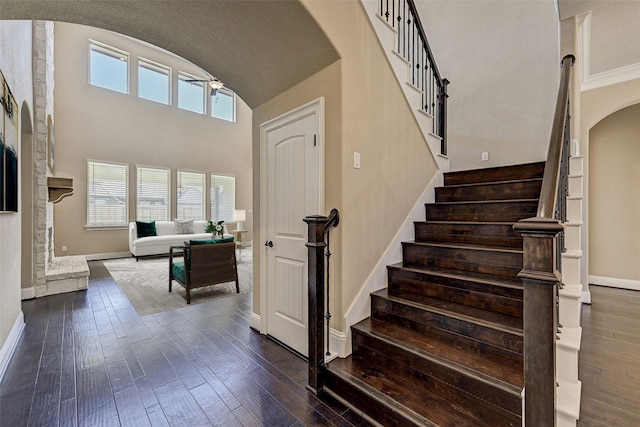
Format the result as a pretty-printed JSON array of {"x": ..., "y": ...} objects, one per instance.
[{"x": 240, "y": 217}]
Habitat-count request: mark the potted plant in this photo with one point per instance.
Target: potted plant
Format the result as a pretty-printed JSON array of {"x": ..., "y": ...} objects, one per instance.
[{"x": 215, "y": 228}]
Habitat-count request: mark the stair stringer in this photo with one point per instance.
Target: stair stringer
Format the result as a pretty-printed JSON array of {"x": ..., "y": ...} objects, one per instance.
[
  {"x": 387, "y": 36},
  {"x": 570, "y": 337}
]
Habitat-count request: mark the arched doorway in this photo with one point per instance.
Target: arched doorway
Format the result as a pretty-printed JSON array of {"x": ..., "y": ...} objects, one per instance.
[
  {"x": 26, "y": 197},
  {"x": 614, "y": 239}
]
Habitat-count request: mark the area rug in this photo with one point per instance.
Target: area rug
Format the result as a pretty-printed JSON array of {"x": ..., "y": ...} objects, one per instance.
[{"x": 146, "y": 284}]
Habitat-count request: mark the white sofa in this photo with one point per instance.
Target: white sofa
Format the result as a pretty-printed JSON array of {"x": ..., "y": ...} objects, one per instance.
[{"x": 166, "y": 237}]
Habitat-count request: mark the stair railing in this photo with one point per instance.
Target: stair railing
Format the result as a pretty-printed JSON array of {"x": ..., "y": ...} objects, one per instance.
[
  {"x": 541, "y": 272},
  {"x": 318, "y": 226},
  {"x": 403, "y": 16}
]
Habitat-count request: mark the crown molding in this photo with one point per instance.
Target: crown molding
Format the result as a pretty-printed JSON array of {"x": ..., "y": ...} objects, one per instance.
[{"x": 590, "y": 81}]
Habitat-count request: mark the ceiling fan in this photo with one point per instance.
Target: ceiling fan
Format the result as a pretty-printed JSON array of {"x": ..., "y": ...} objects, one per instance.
[{"x": 214, "y": 83}]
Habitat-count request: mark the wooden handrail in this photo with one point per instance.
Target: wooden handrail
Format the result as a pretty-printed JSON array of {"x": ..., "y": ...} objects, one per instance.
[{"x": 551, "y": 177}]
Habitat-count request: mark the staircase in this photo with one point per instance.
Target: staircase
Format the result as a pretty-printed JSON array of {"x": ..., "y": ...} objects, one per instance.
[{"x": 444, "y": 342}]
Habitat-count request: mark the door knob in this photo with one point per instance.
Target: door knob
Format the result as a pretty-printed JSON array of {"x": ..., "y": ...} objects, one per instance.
[{"x": 268, "y": 243}]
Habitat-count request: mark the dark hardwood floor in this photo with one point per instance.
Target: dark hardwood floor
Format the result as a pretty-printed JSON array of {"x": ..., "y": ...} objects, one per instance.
[
  {"x": 87, "y": 359},
  {"x": 609, "y": 359}
]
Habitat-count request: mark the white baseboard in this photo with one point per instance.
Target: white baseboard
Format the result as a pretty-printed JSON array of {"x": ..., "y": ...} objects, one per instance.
[
  {"x": 27, "y": 293},
  {"x": 109, "y": 255},
  {"x": 256, "y": 322},
  {"x": 338, "y": 342},
  {"x": 585, "y": 298},
  {"x": 613, "y": 282},
  {"x": 9, "y": 345}
]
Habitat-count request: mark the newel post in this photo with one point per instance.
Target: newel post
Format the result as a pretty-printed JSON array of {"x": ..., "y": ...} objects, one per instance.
[
  {"x": 539, "y": 276},
  {"x": 316, "y": 246}
]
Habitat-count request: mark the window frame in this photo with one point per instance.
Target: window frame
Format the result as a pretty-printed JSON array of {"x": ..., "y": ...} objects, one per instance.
[
  {"x": 114, "y": 52},
  {"x": 233, "y": 105},
  {"x": 182, "y": 76},
  {"x": 168, "y": 192},
  {"x": 125, "y": 223},
  {"x": 156, "y": 66},
  {"x": 204, "y": 194},
  {"x": 211, "y": 199}
]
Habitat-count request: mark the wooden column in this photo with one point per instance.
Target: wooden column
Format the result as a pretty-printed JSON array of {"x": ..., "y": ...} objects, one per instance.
[
  {"x": 316, "y": 245},
  {"x": 539, "y": 276}
]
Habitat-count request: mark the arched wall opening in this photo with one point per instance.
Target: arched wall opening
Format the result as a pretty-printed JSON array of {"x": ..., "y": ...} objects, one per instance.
[
  {"x": 26, "y": 195},
  {"x": 614, "y": 200}
]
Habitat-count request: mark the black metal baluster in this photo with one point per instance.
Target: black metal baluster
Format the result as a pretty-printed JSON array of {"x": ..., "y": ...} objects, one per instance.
[{"x": 328, "y": 314}]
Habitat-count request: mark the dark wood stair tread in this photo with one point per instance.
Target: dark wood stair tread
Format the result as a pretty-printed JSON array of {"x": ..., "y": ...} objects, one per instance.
[
  {"x": 489, "y": 279},
  {"x": 483, "y": 202},
  {"x": 467, "y": 246},
  {"x": 421, "y": 406},
  {"x": 481, "y": 184},
  {"x": 505, "y": 372},
  {"x": 493, "y": 320}
]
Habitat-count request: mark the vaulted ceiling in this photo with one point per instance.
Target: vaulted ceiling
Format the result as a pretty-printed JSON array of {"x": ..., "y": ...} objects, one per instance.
[{"x": 257, "y": 48}]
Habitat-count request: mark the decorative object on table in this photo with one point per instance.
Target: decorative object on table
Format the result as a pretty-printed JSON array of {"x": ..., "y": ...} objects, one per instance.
[
  {"x": 8, "y": 149},
  {"x": 215, "y": 228},
  {"x": 240, "y": 216}
]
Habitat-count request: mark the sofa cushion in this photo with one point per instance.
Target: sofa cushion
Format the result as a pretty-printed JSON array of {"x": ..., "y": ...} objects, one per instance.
[
  {"x": 178, "y": 271},
  {"x": 184, "y": 226},
  {"x": 165, "y": 228},
  {"x": 146, "y": 229}
]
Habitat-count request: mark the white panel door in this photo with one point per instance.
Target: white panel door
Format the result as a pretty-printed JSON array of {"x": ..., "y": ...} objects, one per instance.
[{"x": 292, "y": 194}]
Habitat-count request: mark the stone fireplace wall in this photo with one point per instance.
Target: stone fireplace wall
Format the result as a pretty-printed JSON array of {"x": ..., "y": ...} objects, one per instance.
[{"x": 43, "y": 83}]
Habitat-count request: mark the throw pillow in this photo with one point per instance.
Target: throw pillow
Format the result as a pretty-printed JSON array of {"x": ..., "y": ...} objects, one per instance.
[
  {"x": 183, "y": 226},
  {"x": 146, "y": 229}
]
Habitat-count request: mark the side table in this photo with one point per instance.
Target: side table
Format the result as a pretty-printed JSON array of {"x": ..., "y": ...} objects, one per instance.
[{"x": 239, "y": 243}]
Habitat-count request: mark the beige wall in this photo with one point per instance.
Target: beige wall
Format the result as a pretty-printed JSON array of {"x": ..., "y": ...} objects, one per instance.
[
  {"x": 326, "y": 84},
  {"x": 503, "y": 63},
  {"x": 15, "y": 63},
  {"x": 98, "y": 124},
  {"x": 615, "y": 33},
  {"x": 614, "y": 176},
  {"x": 366, "y": 112}
]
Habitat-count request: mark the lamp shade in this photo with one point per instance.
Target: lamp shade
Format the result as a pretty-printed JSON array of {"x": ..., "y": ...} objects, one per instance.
[{"x": 240, "y": 215}]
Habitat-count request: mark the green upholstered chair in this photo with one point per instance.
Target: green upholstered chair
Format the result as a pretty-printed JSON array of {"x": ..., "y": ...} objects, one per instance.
[{"x": 204, "y": 265}]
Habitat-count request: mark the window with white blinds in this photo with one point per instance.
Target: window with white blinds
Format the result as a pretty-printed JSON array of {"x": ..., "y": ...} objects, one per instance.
[
  {"x": 190, "y": 192},
  {"x": 223, "y": 197},
  {"x": 107, "y": 194},
  {"x": 153, "y": 200}
]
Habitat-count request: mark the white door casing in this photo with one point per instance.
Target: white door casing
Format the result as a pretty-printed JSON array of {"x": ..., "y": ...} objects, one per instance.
[{"x": 291, "y": 188}]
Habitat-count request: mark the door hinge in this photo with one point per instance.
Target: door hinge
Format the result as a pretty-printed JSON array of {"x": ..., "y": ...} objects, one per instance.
[{"x": 314, "y": 140}]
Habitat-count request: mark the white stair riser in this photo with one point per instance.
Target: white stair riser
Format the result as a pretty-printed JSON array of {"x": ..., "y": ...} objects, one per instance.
[
  {"x": 570, "y": 311},
  {"x": 574, "y": 209},
  {"x": 575, "y": 185},
  {"x": 572, "y": 236},
  {"x": 564, "y": 420},
  {"x": 576, "y": 165},
  {"x": 566, "y": 364},
  {"x": 570, "y": 270}
]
